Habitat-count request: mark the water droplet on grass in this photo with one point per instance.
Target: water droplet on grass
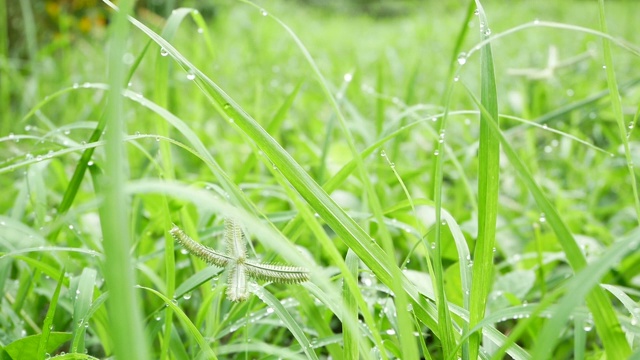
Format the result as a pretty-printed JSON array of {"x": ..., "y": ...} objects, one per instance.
[
  {"x": 462, "y": 58},
  {"x": 163, "y": 52},
  {"x": 263, "y": 12},
  {"x": 542, "y": 218}
]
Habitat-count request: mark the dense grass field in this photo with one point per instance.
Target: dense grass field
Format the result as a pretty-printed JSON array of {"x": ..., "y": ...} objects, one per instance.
[{"x": 455, "y": 179}]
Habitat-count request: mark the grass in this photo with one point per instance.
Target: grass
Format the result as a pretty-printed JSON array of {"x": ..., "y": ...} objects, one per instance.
[{"x": 444, "y": 209}]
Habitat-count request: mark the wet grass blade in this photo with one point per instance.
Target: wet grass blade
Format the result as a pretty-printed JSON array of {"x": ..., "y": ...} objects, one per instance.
[{"x": 488, "y": 190}]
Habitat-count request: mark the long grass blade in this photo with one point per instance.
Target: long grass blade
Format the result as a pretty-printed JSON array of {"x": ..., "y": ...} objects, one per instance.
[{"x": 488, "y": 190}]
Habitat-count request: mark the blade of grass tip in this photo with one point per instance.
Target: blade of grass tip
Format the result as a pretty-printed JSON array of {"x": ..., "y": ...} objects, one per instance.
[
  {"x": 488, "y": 188},
  {"x": 123, "y": 306},
  {"x": 604, "y": 316},
  {"x": 203, "y": 29},
  {"x": 350, "y": 336},
  {"x": 47, "y": 326},
  {"x": 616, "y": 105},
  {"x": 81, "y": 304}
]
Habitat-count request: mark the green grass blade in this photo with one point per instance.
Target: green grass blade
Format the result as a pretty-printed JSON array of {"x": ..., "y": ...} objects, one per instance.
[
  {"x": 488, "y": 190},
  {"x": 350, "y": 336},
  {"x": 123, "y": 305},
  {"x": 48, "y": 320},
  {"x": 82, "y": 302},
  {"x": 616, "y": 105}
]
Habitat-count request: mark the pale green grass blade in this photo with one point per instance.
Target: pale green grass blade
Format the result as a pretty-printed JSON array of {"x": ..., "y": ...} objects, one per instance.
[
  {"x": 186, "y": 322},
  {"x": 604, "y": 315},
  {"x": 350, "y": 336},
  {"x": 82, "y": 302},
  {"x": 488, "y": 190},
  {"x": 47, "y": 326},
  {"x": 123, "y": 305},
  {"x": 203, "y": 29},
  {"x": 286, "y": 317},
  {"x": 616, "y": 104}
]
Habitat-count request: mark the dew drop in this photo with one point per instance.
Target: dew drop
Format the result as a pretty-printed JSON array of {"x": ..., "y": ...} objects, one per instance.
[
  {"x": 270, "y": 310},
  {"x": 476, "y": 12},
  {"x": 191, "y": 76},
  {"x": 436, "y": 153},
  {"x": 348, "y": 77},
  {"x": 263, "y": 12},
  {"x": 186, "y": 296},
  {"x": 163, "y": 52},
  {"x": 542, "y": 218},
  {"x": 462, "y": 58},
  {"x": 200, "y": 30}
]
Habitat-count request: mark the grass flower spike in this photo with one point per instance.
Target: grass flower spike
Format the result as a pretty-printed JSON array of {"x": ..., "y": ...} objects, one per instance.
[{"x": 235, "y": 261}]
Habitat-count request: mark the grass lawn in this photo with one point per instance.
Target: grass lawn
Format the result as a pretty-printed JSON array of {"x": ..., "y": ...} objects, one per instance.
[{"x": 449, "y": 180}]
